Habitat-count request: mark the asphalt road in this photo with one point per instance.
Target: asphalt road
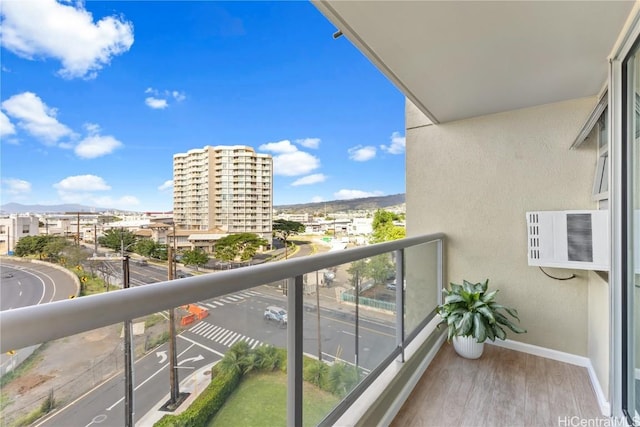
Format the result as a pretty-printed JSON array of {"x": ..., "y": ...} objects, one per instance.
[
  {"x": 235, "y": 317},
  {"x": 23, "y": 284}
]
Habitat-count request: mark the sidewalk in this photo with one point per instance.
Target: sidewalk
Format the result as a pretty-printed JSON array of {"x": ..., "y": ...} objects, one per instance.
[{"x": 194, "y": 385}]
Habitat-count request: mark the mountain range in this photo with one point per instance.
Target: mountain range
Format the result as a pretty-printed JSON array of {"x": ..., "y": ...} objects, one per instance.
[{"x": 367, "y": 203}]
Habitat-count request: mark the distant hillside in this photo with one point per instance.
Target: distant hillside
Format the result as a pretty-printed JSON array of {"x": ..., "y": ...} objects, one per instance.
[
  {"x": 366, "y": 203},
  {"x": 13, "y": 208},
  {"x": 333, "y": 206}
]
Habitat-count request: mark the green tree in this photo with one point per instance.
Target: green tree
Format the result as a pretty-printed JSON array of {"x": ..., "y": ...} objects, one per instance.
[
  {"x": 75, "y": 255},
  {"x": 357, "y": 271},
  {"x": 242, "y": 245},
  {"x": 384, "y": 229},
  {"x": 316, "y": 372},
  {"x": 265, "y": 358},
  {"x": 237, "y": 359},
  {"x": 283, "y": 229},
  {"x": 342, "y": 378},
  {"x": 46, "y": 246},
  {"x": 379, "y": 268},
  {"x": 146, "y": 247},
  {"x": 116, "y": 238},
  {"x": 195, "y": 257}
]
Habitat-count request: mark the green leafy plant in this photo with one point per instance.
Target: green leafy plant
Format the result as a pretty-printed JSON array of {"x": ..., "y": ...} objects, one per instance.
[{"x": 469, "y": 310}]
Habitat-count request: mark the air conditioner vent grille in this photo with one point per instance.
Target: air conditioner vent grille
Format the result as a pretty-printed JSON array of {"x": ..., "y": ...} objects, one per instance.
[
  {"x": 579, "y": 240},
  {"x": 534, "y": 240}
]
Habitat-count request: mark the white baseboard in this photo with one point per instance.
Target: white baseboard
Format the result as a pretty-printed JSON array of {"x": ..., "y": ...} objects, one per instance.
[{"x": 561, "y": 356}]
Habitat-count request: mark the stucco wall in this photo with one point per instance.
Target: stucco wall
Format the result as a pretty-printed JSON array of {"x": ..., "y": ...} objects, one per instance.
[{"x": 475, "y": 179}]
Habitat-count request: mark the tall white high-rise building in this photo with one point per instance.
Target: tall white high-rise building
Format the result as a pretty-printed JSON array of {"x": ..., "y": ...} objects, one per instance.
[{"x": 223, "y": 187}]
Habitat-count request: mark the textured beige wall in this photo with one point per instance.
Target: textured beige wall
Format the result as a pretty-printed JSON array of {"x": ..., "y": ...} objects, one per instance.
[{"x": 475, "y": 179}]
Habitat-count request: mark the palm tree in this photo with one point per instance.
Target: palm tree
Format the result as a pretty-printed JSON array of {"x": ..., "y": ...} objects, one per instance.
[
  {"x": 266, "y": 357},
  {"x": 316, "y": 372}
]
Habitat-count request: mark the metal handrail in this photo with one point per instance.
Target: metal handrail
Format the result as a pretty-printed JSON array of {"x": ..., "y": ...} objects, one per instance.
[{"x": 26, "y": 326}]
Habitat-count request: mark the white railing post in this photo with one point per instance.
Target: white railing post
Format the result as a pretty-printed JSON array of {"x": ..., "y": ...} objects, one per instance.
[
  {"x": 294, "y": 351},
  {"x": 440, "y": 250},
  {"x": 399, "y": 258}
]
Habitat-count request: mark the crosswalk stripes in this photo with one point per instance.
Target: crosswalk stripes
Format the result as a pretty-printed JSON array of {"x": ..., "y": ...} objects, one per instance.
[
  {"x": 230, "y": 299},
  {"x": 222, "y": 336}
]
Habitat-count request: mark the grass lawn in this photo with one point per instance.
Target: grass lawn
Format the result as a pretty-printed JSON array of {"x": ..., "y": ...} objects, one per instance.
[{"x": 261, "y": 400}]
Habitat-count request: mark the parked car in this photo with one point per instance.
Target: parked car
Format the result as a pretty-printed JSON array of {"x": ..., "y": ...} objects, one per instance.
[
  {"x": 182, "y": 275},
  {"x": 142, "y": 262},
  {"x": 276, "y": 314},
  {"x": 391, "y": 286}
]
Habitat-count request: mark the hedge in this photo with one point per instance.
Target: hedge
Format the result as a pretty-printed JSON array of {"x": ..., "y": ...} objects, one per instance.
[{"x": 206, "y": 405}]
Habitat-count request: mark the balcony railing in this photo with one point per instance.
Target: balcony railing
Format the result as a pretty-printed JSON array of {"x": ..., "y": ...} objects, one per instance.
[{"x": 373, "y": 339}]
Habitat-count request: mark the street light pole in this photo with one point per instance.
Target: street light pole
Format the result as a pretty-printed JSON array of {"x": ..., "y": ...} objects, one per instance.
[{"x": 128, "y": 356}]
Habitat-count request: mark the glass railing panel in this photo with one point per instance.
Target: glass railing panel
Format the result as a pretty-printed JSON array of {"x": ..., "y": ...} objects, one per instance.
[
  {"x": 421, "y": 269},
  {"x": 356, "y": 330},
  {"x": 79, "y": 380},
  {"x": 349, "y": 322},
  {"x": 250, "y": 328}
]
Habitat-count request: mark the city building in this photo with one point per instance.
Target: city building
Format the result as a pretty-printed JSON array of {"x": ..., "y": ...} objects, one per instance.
[
  {"x": 13, "y": 228},
  {"x": 223, "y": 187}
]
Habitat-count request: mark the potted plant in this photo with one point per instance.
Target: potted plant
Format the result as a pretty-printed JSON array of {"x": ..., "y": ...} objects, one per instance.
[{"x": 472, "y": 316}]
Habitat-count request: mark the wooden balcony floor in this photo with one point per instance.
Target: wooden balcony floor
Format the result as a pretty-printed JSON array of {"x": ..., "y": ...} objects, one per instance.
[{"x": 502, "y": 388}]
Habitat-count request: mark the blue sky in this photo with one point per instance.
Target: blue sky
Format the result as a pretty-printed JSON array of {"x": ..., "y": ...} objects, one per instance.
[{"x": 96, "y": 97}]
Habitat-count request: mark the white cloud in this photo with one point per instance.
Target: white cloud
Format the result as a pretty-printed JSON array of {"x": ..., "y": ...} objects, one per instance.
[
  {"x": 178, "y": 96},
  {"x": 317, "y": 199},
  {"x": 309, "y": 142},
  {"x": 160, "y": 99},
  {"x": 289, "y": 161},
  {"x": 6, "y": 127},
  {"x": 82, "y": 189},
  {"x": 35, "y": 116},
  {"x": 310, "y": 179},
  {"x": 355, "y": 194},
  {"x": 16, "y": 186},
  {"x": 96, "y": 146},
  {"x": 166, "y": 185},
  {"x": 156, "y": 103},
  {"x": 284, "y": 146},
  {"x": 82, "y": 183},
  {"x": 397, "y": 145},
  {"x": 362, "y": 154},
  {"x": 66, "y": 32}
]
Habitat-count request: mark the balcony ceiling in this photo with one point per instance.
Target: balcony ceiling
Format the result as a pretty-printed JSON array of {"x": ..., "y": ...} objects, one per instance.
[{"x": 456, "y": 60}]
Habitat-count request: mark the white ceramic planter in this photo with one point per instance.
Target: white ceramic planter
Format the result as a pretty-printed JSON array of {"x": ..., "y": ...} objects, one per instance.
[{"x": 468, "y": 347}]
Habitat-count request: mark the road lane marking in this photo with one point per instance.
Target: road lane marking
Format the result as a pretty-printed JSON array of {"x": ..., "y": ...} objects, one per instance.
[
  {"x": 149, "y": 378},
  {"x": 201, "y": 345},
  {"x": 218, "y": 303}
]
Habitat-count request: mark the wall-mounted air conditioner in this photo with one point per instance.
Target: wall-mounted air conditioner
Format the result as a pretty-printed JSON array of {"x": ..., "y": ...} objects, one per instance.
[{"x": 568, "y": 239}]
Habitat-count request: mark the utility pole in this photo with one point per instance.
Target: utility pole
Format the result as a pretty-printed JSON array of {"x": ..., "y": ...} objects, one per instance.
[
  {"x": 95, "y": 238},
  {"x": 128, "y": 356},
  {"x": 128, "y": 350},
  {"x": 173, "y": 354}
]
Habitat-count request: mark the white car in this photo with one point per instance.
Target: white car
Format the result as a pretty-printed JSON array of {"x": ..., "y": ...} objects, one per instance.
[{"x": 276, "y": 314}]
